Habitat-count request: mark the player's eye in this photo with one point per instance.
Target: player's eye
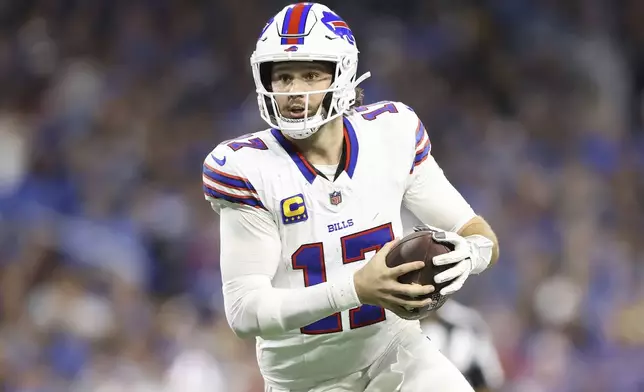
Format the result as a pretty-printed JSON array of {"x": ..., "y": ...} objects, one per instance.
[
  {"x": 283, "y": 78},
  {"x": 311, "y": 76}
]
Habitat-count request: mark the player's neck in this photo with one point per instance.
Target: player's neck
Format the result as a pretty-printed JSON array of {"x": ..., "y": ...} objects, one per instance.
[{"x": 325, "y": 146}]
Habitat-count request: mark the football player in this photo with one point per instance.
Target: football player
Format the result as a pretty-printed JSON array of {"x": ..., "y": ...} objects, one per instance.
[{"x": 309, "y": 209}]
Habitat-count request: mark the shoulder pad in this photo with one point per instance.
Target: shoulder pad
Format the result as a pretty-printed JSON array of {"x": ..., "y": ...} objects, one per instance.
[{"x": 225, "y": 182}]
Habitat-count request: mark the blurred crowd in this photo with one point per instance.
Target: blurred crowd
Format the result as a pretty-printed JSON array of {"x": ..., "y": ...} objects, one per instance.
[{"x": 109, "y": 254}]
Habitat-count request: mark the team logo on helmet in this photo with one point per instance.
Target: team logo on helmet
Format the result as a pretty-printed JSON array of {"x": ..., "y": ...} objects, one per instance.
[
  {"x": 268, "y": 24},
  {"x": 338, "y": 26}
]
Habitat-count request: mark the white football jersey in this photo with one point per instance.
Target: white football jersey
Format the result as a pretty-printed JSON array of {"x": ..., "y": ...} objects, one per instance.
[{"x": 325, "y": 229}]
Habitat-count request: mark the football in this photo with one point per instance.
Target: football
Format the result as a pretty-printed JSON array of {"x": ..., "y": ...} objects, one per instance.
[{"x": 421, "y": 246}]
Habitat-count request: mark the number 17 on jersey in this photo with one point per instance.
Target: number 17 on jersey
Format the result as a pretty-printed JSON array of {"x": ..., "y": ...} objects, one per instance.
[{"x": 309, "y": 258}]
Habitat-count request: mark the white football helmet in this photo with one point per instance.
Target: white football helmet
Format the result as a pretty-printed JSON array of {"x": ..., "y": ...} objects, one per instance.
[{"x": 306, "y": 32}]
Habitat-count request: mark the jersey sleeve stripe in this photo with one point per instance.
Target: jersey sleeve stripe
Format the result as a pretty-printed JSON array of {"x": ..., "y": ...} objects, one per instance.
[
  {"x": 211, "y": 192},
  {"x": 235, "y": 191},
  {"x": 223, "y": 186},
  {"x": 229, "y": 180},
  {"x": 420, "y": 134},
  {"x": 422, "y": 154}
]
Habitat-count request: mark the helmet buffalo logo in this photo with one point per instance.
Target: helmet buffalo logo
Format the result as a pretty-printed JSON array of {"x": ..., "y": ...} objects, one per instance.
[
  {"x": 268, "y": 24},
  {"x": 339, "y": 27}
]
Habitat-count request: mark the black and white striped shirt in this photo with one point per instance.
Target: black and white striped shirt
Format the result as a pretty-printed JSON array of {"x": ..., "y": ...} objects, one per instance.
[{"x": 462, "y": 336}]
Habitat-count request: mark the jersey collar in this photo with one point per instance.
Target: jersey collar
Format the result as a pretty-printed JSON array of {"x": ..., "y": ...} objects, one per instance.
[{"x": 348, "y": 160}]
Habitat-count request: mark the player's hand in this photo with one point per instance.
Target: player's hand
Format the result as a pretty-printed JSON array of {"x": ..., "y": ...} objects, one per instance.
[
  {"x": 377, "y": 284},
  {"x": 466, "y": 258}
]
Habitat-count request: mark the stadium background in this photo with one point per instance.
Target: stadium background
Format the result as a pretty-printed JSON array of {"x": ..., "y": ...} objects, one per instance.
[{"x": 109, "y": 254}]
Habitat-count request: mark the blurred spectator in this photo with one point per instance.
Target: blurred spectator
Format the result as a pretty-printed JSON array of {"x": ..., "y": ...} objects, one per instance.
[{"x": 109, "y": 274}]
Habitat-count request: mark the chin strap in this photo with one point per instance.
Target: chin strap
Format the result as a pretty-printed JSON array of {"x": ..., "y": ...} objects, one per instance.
[{"x": 361, "y": 79}]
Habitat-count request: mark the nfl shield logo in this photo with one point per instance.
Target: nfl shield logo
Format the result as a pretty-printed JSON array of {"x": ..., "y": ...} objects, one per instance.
[{"x": 335, "y": 198}]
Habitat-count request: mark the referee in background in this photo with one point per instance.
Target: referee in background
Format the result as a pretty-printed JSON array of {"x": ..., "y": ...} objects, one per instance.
[{"x": 461, "y": 334}]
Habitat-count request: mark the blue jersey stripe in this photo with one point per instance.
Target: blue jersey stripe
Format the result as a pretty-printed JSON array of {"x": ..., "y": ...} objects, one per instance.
[
  {"x": 249, "y": 201},
  {"x": 227, "y": 179},
  {"x": 421, "y": 155}
]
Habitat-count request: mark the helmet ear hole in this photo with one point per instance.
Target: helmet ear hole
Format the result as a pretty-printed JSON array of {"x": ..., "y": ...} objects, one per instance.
[
  {"x": 326, "y": 102},
  {"x": 269, "y": 106},
  {"x": 265, "y": 70}
]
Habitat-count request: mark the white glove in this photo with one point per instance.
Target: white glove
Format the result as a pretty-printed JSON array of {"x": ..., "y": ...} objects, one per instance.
[{"x": 471, "y": 255}]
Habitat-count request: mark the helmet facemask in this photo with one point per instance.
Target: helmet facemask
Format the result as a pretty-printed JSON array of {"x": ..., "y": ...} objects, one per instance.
[{"x": 338, "y": 97}]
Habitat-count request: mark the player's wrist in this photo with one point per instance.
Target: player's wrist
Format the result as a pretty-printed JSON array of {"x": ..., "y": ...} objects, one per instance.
[
  {"x": 344, "y": 294},
  {"x": 481, "y": 248}
]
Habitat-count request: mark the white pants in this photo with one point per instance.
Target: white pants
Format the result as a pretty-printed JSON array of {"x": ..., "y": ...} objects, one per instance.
[{"x": 411, "y": 364}]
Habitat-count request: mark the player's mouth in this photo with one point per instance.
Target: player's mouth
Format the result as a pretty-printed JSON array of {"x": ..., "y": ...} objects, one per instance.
[{"x": 296, "y": 112}]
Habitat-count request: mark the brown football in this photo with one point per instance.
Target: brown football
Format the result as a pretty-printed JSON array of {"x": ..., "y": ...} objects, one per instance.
[{"x": 421, "y": 246}]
